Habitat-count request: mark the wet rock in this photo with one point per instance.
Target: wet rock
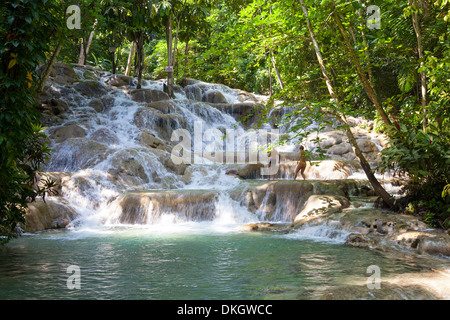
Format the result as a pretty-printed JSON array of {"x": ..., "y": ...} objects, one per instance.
[
  {"x": 148, "y": 139},
  {"x": 193, "y": 92},
  {"x": 358, "y": 240},
  {"x": 91, "y": 89},
  {"x": 75, "y": 154},
  {"x": 127, "y": 168},
  {"x": 105, "y": 136},
  {"x": 148, "y": 95},
  {"x": 340, "y": 149},
  {"x": 165, "y": 106},
  {"x": 50, "y": 214},
  {"x": 435, "y": 245},
  {"x": 120, "y": 80},
  {"x": 214, "y": 96},
  {"x": 366, "y": 145},
  {"x": 155, "y": 121},
  {"x": 58, "y": 106},
  {"x": 320, "y": 205},
  {"x": 67, "y": 132},
  {"x": 264, "y": 226},
  {"x": 96, "y": 104},
  {"x": 63, "y": 74},
  {"x": 179, "y": 206}
]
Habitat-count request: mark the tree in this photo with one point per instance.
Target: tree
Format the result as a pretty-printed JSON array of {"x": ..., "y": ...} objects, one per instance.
[
  {"x": 364, "y": 164},
  {"x": 25, "y": 26}
]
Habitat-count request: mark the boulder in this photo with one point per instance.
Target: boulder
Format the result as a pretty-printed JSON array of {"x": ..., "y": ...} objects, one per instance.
[
  {"x": 165, "y": 106},
  {"x": 91, "y": 89},
  {"x": 157, "y": 122},
  {"x": 320, "y": 205},
  {"x": 193, "y": 92},
  {"x": 50, "y": 214},
  {"x": 437, "y": 244},
  {"x": 67, "y": 132},
  {"x": 148, "y": 95},
  {"x": 75, "y": 154},
  {"x": 96, "y": 104},
  {"x": 63, "y": 74},
  {"x": 366, "y": 145},
  {"x": 58, "y": 106},
  {"x": 120, "y": 80},
  {"x": 105, "y": 136},
  {"x": 340, "y": 149},
  {"x": 148, "y": 139},
  {"x": 186, "y": 205},
  {"x": 214, "y": 96},
  {"x": 127, "y": 168}
]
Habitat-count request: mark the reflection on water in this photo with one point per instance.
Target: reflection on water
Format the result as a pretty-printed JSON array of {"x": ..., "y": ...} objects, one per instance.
[{"x": 133, "y": 263}]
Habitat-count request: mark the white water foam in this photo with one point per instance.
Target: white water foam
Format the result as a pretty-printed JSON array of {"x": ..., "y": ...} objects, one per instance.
[{"x": 321, "y": 233}]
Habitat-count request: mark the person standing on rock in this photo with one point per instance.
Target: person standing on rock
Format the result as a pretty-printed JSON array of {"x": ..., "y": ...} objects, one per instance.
[{"x": 301, "y": 165}]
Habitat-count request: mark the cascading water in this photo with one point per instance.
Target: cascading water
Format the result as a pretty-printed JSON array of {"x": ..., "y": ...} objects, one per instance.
[
  {"x": 108, "y": 159},
  {"x": 117, "y": 145}
]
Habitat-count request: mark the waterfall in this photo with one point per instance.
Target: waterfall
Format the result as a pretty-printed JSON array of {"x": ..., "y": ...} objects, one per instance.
[{"x": 116, "y": 144}]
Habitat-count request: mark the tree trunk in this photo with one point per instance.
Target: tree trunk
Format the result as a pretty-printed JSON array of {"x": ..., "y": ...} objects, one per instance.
[
  {"x": 378, "y": 188},
  {"x": 280, "y": 82},
  {"x": 423, "y": 76},
  {"x": 270, "y": 80},
  {"x": 140, "y": 56},
  {"x": 186, "y": 52},
  {"x": 170, "y": 80},
  {"x": 82, "y": 55},
  {"x": 367, "y": 86},
  {"x": 48, "y": 68},
  {"x": 130, "y": 58}
]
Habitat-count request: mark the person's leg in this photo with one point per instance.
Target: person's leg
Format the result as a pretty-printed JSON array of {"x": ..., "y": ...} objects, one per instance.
[{"x": 297, "y": 169}]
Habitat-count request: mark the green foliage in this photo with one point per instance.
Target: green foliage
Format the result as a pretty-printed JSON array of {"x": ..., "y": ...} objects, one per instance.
[
  {"x": 423, "y": 157},
  {"x": 24, "y": 30}
]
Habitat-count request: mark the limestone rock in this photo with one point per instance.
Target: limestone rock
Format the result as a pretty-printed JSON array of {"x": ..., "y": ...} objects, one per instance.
[
  {"x": 104, "y": 136},
  {"x": 435, "y": 245},
  {"x": 186, "y": 205},
  {"x": 67, "y": 132},
  {"x": 91, "y": 89},
  {"x": 165, "y": 106},
  {"x": 148, "y": 95},
  {"x": 75, "y": 154},
  {"x": 63, "y": 74},
  {"x": 319, "y": 205},
  {"x": 214, "y": 96},
  {"x": 340, "y": 149},
  {"x": 50, "y": 214},
  {"x": 120, "y": 80},
  {"x": 193, "y": 92},
  {"x": 96, "y": 104}
]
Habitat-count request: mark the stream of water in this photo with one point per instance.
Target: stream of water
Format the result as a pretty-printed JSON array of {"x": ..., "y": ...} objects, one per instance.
[{"x": 191, "y": 261}]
